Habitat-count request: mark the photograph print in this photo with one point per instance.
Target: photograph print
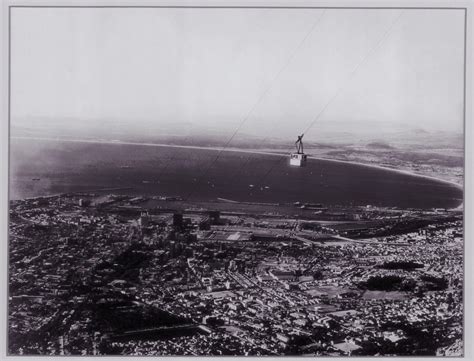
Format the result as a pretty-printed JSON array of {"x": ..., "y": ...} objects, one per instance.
[{"x": 236, "y": 181}]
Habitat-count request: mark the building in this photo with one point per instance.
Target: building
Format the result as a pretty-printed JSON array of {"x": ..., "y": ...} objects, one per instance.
[
  {"x": 144, "y": 220},
  {"x": 214, "y": 217},
  {"x": 178, "y": 220}
]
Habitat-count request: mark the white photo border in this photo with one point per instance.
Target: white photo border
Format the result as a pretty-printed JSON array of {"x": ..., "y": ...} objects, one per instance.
[{"x": 467, "y": 5}]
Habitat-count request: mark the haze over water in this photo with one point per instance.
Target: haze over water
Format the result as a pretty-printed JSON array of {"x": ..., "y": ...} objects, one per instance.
[{"x": 264, "y": 71}]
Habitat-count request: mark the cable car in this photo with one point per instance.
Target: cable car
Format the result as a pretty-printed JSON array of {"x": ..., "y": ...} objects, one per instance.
[{"x": 298, "y": 159}]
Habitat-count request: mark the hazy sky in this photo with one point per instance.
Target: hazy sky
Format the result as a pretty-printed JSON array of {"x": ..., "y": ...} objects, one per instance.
[{"x": 210, "y": 67}]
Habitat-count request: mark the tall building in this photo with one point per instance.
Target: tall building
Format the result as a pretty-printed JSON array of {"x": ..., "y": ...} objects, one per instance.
[
  {"x": 178, "y": 220},
  {"x": 144, "y": 219}
]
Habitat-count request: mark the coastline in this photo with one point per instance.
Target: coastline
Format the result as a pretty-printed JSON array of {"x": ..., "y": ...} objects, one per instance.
[
  {"x": 237, "y": 150},
  {"x": 240, "y": 150}
]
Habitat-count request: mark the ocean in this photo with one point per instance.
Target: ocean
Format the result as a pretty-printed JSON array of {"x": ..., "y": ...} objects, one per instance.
[{"x": 45, "y": 167}]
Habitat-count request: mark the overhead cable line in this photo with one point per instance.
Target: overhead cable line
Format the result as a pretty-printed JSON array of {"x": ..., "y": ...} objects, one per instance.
[
  {"x": 261, "y": 97},
  {"x": 339, "y": 90}
]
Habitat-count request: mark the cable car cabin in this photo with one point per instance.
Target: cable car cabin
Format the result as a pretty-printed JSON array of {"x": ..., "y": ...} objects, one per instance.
[{"x": 298, "y": 159}]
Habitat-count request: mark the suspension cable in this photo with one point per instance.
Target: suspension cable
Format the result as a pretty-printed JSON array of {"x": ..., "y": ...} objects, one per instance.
[
  {"x": 339, "y": 90},
  {"x": 261, "y": 97}
]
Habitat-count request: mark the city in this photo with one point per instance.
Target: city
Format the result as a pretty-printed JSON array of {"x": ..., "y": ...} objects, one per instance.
[{"x": 95, "y": 274}]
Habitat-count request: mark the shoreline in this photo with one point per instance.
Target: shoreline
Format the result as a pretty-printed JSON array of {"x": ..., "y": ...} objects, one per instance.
[{"x": 239, "y": 150}]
